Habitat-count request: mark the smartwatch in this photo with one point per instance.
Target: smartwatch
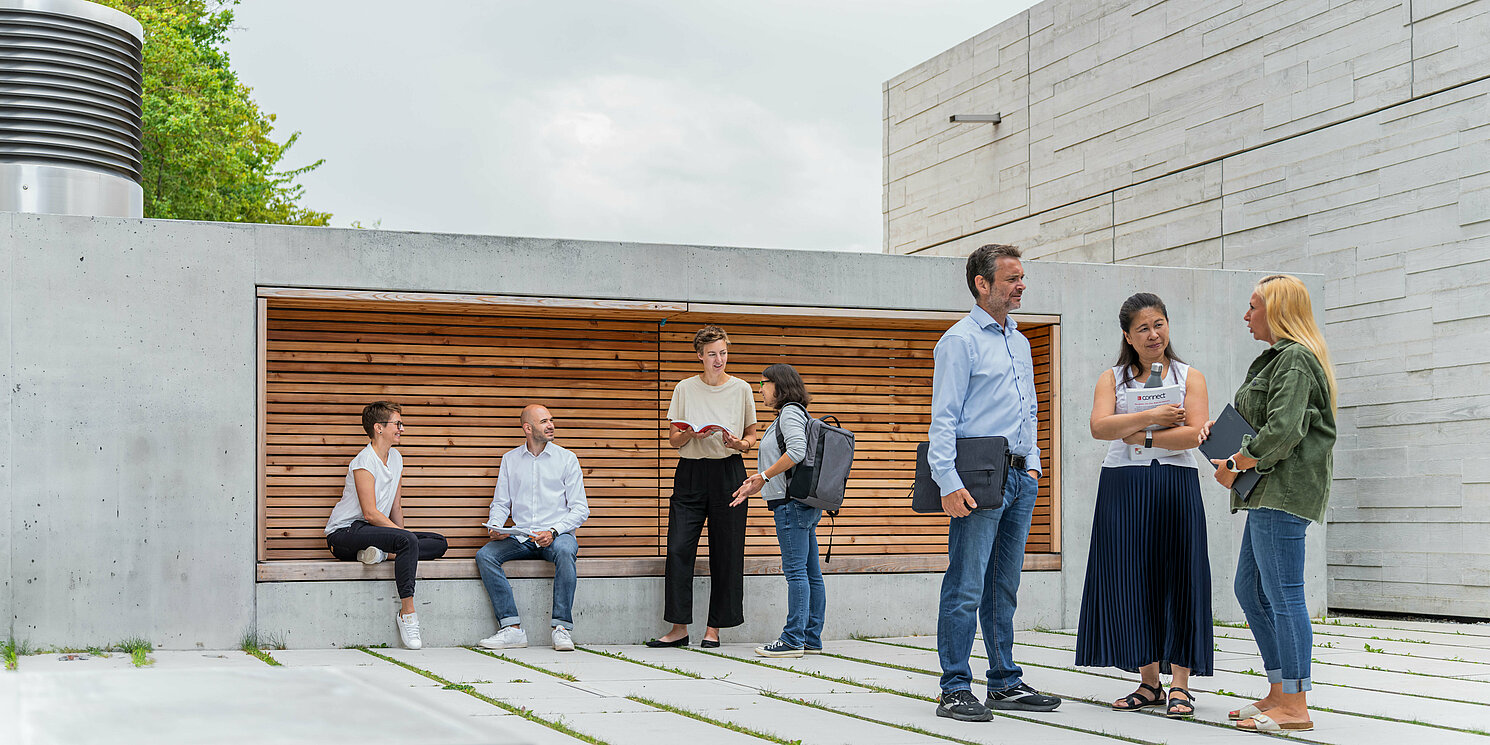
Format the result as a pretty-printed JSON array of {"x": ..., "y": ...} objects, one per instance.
[
  {"x": 1231, "y": 465},
  {"x": 1148, "y": 439}
]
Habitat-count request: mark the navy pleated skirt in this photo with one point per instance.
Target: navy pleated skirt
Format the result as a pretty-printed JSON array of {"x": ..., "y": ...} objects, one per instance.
[{"x": 1148, "y": 577}]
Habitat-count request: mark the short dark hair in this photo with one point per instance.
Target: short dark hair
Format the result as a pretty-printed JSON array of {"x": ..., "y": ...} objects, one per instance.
[
  {"x": 789, "y": 385},
  {"x": 983, "y": 262},
  {"x": 378, "y": 412},
  {"x": 708, "y": 335}
]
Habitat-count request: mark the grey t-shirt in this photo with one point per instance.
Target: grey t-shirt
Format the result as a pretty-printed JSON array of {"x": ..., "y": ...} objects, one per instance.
[{"x": 793, "y": 423}]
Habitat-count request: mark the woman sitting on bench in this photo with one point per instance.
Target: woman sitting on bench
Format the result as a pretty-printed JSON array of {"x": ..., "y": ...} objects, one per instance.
[{"x": 368, "y": 523}]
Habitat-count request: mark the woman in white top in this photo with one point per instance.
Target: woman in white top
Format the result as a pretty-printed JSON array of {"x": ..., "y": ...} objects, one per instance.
[
  {"x": 709, "y": 470},
  {"x": 1146, "y": 606},
  {"x": 368, "y": 523}
]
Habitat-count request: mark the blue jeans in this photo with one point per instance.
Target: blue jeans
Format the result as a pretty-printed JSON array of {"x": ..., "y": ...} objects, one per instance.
[
  {"x": 560, "y": 553},
  {"x": 1270, "y": 586},
  {"x": 806, "y": 602},
  {"x": 985, "y": 555}
]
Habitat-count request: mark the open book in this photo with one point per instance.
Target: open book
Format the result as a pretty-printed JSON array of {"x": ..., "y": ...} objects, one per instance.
[
  {"x": 1143, "y": 399},
  {"x": 701, "y": 427}
]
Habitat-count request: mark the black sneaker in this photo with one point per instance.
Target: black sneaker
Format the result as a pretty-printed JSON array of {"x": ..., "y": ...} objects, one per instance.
[
  {"x": 963, "y": 706},
  {"x": 1022, "y": 698}
]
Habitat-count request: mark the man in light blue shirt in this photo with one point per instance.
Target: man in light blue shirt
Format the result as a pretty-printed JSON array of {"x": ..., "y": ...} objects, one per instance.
[
  {"x": 983, "y": 385},
  {"x": 541, "y": 488}
]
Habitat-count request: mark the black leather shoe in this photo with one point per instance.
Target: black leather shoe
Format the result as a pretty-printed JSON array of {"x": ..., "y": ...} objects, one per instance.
[
  {"x": 657, "y": 643},
  {"x": 709, "y": 644}
]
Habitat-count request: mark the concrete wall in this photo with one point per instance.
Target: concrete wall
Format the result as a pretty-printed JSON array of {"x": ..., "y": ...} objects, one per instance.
[
  {"x": 129, "y": 384},
  {"x": 1345, "y": 139}
]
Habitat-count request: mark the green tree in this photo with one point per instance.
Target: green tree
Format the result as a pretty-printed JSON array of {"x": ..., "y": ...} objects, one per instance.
[{"x": 208, "y": 151}]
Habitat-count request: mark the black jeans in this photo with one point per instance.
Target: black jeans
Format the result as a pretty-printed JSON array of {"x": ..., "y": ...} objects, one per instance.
[
  {"x": 701, "y": 493},
  {"x": 409, "y": 546}
]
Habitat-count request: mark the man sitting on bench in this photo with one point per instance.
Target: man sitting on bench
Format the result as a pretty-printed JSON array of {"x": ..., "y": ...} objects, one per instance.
[{"x": 541, "y": 488}]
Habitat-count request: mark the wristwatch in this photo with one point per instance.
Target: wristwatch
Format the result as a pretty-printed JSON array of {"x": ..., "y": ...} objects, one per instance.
[
  {"x": 1231, "y": 465},
  {"x": 1148, "y": 439}
]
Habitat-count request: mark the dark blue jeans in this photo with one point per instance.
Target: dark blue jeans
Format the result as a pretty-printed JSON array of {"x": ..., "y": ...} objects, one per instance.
[
  {"x": 985, "y": 555},
  {"x": 560, "y": 553},
  {"x": 1270, "y": 586},
  {"x": 806, "y": 602},
  {"x": 409, "y": 548}
]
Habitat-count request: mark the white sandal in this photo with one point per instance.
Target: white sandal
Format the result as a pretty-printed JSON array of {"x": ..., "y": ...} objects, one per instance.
[
  {"x": 1265, "y": 723},
  {"x": 1246, "y": 712}
]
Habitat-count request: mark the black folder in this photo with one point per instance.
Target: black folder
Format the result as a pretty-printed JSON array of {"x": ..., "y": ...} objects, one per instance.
[
  {"x": 983, "y": 465},
  {"x": 1225, "y": 441}
]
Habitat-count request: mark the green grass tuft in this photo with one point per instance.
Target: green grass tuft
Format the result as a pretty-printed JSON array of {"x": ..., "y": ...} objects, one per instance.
[{"x": 138, "y": 650}]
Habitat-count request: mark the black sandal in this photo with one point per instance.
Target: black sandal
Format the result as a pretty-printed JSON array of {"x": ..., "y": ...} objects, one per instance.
[
  {"x": 1135, "y": 702},
  {"x": 1177, "y": 708}
]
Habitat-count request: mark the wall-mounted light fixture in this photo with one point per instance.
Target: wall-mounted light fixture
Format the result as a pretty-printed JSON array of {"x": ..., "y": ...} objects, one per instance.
[{"x": 976, "y": 118}]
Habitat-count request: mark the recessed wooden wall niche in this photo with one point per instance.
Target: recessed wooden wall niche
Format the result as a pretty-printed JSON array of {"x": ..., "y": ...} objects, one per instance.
[{"x": 464, "y": 366}]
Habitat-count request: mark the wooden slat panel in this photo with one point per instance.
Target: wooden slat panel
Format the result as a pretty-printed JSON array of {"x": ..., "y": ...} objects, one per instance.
[{"x": 463, "y": 373}]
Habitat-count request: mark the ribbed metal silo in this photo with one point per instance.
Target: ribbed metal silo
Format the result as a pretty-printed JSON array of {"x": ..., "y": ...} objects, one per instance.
[{"x": 70, "y": 81}]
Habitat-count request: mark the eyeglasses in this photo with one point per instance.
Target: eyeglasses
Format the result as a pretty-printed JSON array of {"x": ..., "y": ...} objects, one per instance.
[{"x": 390, "y": 422}]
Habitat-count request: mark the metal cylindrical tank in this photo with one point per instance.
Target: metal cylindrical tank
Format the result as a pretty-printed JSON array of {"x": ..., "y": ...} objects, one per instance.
[{"x": 71, "y": 73}]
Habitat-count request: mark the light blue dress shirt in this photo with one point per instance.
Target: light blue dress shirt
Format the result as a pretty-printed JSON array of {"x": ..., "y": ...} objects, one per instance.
[
  {"x": 541, "y": 492},
  {"x": 983, "y": 385}
]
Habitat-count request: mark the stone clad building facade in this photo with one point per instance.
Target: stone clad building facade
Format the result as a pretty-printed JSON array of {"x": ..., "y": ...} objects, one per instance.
[{"x": 1350, "y": 139}]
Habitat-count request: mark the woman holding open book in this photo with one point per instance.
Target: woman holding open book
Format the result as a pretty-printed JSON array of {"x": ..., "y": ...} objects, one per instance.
[
  {"x": 1146, "y": 606},
  {"x": 1289, "y": 399},
  {"x": 711, "y": 422}
]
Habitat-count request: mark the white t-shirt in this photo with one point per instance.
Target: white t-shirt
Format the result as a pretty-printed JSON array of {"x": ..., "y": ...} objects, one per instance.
[
  {"x": 385, "y": 487},
  {"x": 729, "y": 403}
]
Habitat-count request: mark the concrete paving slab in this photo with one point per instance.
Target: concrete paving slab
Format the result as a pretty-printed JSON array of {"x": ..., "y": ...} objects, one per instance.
[
  {"x": 1425, "y": 650},
  {"x": 722, "y": 667},
  {"x": 73, "y": 662},
  {"x": 461, "y": 665},
  {"x": 903, "y": 711},
  {"x": 1371, "y": 703},
  {"x": 342, "y": 658},
  {"x": 797, "y": 722},
  {"x": 165, "y": 659},
  {"x": 1447, "y": 638},
  {"x": 455, "y": 702},
  {"x": 1401, "y": 702},
  {"x": 1387, "y": 624},
  {"x": 655, "y": 727},
  {"x": 228, "y": 706}
]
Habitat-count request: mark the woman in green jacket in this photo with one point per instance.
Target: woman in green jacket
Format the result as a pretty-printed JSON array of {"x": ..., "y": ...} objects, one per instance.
[{"x": 1289, "y": 398}]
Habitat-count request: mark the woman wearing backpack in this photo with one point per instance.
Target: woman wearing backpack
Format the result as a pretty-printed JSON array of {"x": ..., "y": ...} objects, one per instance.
[{"x": 796, "y": 523}]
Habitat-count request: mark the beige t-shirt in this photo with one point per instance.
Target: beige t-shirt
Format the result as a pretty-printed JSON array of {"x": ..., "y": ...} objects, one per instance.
[{"x": 730, "y": 404}]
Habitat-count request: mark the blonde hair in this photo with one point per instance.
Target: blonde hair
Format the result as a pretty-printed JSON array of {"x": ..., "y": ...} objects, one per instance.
[{"x": 1291, "y": 316}]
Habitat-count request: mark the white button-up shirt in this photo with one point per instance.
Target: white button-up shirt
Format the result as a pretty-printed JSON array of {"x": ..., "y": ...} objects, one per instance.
[{"x": 542, "y": 492}]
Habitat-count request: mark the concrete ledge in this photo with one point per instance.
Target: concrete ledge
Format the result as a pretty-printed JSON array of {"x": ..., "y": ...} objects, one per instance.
[
  {"x": 332, "y": 570},
  {"x": 619, "y": 610}
]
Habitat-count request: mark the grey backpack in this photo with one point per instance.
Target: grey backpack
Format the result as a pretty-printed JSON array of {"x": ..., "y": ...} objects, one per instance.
[{"x": 821, "y": 479}]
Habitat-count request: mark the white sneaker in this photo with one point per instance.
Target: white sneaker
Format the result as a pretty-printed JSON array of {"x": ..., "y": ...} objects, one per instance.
[
  {"x": 371, "y": 555},
  {"x": 563, "y": 642},
  {"x": 408, "y": 630},
  {"x": 512, "y": 637}
]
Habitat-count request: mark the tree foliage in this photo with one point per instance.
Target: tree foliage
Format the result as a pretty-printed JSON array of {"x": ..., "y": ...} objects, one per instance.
[{"x": 208, "y": 149}]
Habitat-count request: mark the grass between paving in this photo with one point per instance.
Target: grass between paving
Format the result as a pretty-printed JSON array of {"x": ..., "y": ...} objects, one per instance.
[
  {"x": 1219, "y": 691},
  {"x": 254, "y": 645},
  {"x": 520, "y": 663},
  {"x": 12, "y": 650},
  {"x": 471, "y": 691}
]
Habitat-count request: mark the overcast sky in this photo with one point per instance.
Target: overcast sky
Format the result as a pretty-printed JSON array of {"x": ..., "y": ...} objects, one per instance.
[{"x": 681, "y": 121}]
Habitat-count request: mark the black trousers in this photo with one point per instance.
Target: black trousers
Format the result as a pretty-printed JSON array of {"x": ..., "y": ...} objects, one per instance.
[
  {"x": 410, "y": 547},
  {"x": 701, "y": 493}
]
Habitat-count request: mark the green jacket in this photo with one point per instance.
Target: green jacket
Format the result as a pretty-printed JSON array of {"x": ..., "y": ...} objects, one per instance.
[{"x": 1287, "y": 400}]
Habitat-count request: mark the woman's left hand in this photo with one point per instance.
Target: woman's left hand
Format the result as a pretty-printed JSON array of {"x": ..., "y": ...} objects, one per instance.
[
  {"x": 1135, "y": 439},
  {"x": 1224, "y": 476},
  {"x": 752, "y": 485}
]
